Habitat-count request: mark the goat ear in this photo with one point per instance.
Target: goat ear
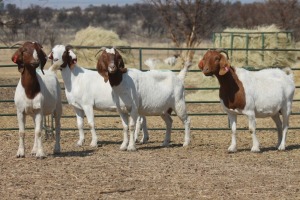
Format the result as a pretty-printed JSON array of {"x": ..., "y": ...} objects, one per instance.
[
  {"x": 224, "y": 65},
  {"x": 41, "y": 54},
  {"x": 201, "y": 65},
  {"x": 16, "y": 59},
  {"x": 102, "y": 69},
  {"x": 121, "y": 65}
]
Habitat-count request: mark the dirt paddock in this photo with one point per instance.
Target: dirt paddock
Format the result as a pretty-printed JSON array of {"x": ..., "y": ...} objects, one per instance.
[{"x": 203, "y": 170}]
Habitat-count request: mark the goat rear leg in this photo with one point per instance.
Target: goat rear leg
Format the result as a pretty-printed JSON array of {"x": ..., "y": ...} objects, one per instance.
[
  {"x": 145, "y": 138},
  {"x": 57, "y": 132},
  {"x": 277, "y": 120},
  {"x": 89, "y": 112},
  {"x": 168, "y": 121},
  {"x": 79, "y": 118},
  {"x": 180, "y": 110},
  {"x": 285, "y": 125},
  {"x": 21, "y": 122}
]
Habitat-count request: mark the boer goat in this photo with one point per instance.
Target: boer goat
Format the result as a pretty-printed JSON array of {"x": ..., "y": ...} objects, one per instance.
[
  {"x": 144, "y": 93},
  {"x": 85, "y": 91},
  {"x": 264, "y": 93},
  {"x": 36, "y": 95}
]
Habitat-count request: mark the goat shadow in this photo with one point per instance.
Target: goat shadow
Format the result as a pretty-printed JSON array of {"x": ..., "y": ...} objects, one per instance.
[
  {"x": 84, "y": 153},
  {"x": 158, "y": 147},
  {"x": 106, "y": 142},
  {"x": 273, "y": 148}
]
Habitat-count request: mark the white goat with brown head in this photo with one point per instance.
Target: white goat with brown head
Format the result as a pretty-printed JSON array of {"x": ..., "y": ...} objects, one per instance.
[
  {"x": 144, "y": 93},
  {"x": 36, "y": 95},
  {"x": 258, "y": 94}
]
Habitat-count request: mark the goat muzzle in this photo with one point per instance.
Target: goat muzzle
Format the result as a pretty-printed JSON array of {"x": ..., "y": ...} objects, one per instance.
[{"x": 112, "y": 68}]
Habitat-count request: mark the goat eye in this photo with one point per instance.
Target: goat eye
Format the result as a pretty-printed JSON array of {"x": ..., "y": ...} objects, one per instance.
[{"x": 56, "y": 59}]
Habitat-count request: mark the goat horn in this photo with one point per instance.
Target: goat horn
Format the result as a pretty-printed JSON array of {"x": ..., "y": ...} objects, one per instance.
[
  {"x": 102, "y": 49},
  {"x": 223, "y": 51},
  {"x": 19, "y": 43}
]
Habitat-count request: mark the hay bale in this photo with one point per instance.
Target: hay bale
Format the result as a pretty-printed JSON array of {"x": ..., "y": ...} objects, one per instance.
[
  {"x": 269, "y": 37},
  {"x": 93, "y": 36}
]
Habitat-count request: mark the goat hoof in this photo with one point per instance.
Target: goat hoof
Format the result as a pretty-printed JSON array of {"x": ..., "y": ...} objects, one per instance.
[
  {"x": 56, "y": 152},
  {"x": 123, "y": 148},
  {"x": 232, "y": 150},
  {"x": 165, "y": 144},
  {"x": 131, "y": 148},
  {"x": 281, "y": 148},
  {"x": 143, "y": 142},
  {"x": 255, "y": 150},
  {"x": 20, "y": 156},
  {"x": 186, "y": 144},
  {"x": 94, "y": 145}
]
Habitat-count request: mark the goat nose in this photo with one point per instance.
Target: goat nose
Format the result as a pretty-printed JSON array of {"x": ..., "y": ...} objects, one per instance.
[
  {"x": 205, "y": 69},
  {"x": 112, "y": 68}
]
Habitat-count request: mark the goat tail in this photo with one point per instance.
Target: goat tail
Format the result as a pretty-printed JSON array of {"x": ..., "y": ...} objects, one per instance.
[
  {"x": 184, "y": 70},
  {"x": 288, "y": 72}
]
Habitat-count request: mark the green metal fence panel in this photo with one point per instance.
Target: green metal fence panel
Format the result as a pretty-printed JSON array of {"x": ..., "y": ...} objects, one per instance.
[{"x": 141, "y": 55}]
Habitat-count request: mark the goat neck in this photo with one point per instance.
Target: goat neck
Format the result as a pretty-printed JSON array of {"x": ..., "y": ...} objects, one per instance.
[
  {"x": 231, "y": 90},
  {"x": 30, "y": 83}
]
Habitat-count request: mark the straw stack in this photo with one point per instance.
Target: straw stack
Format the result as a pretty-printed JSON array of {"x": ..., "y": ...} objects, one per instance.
[{"x": 269, "y": 37}]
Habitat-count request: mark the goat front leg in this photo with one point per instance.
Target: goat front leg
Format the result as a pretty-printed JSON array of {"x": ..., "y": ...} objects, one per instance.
[
  {"x": 79, "y": 118},
  {"x": 38, "y": 145},
  {"x": 252, "y": 128},
  {"x": 232, "y": 120},
  {"x": 124, "y": 118},
  {"x": 21, "y": 122},
  {"x": 132, "y": 122},
  {"x": 89, "y": 112}
]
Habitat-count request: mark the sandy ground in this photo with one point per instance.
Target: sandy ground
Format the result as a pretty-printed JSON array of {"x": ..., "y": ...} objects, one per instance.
[{"x": 203, "y": 170}]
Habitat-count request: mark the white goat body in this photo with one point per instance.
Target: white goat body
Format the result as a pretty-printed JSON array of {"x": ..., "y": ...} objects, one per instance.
[
  {"x": 47, "y": 102},
  {"x": 267, "y": 93},
  {"x": 86, "y": 91},
  {"x": 145, "y": 93}
]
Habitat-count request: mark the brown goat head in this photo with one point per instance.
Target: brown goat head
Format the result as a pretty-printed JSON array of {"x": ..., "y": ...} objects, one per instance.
[
  {"x": 30, "y": 54},
  {"x": 111, "y": 64},
  {"x": 214, "y": 63},
  {"x": 68, "y": 57}
]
